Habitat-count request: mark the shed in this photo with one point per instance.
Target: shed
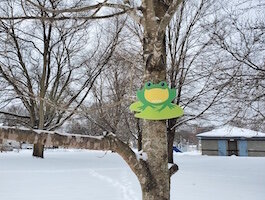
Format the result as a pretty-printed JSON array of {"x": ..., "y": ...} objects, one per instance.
[{"x": 229, "y": 140}]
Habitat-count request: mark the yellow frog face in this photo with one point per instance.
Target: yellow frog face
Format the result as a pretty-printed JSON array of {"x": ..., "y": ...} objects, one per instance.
[{"x": 156, "y": 95}]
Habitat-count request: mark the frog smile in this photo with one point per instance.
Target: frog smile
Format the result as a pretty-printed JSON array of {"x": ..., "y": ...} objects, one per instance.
[{"x": 156, "y": 95}]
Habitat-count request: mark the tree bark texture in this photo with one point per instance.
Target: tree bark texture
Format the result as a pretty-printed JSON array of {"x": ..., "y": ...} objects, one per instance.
[
  {"x": 38, "y": 150},
  {"x": 1, "y": 143},
  {"x": 170, "y": 139},
  {"x": 155, "y": 146},
  {"x": 157, "y": 15},
  {"x": 140, "y": 136}
]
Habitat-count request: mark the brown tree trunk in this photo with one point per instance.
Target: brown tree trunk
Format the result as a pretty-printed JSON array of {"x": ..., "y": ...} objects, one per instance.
[
  {"x": 38, "y": 150},
  {"x": 139, "y": 139},
  {"x": 154, "y": 135},
  {"x": 155, "y": 146},
  {"x": 151, "y": 195},
  {"x": 170, "y": 139},
  {"x": 1, "y": 142}
]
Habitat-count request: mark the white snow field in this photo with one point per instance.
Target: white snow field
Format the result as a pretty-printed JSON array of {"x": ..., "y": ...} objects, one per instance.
[{"x": 94, "y": 175}]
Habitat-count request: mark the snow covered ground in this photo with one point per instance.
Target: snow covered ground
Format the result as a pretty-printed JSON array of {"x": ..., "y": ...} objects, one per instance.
[{"x": 94, "y": 175}]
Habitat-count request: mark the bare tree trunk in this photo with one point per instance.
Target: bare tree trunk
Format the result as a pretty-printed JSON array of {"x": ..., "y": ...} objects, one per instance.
[
  {"x": 140, "y": 136},
  {"x": 1, "y": 142},
  {"x": 154, "y": 138},
  {"x": 38, "y": 150},
  {"x": 170, "y": 139},
  {"x": 155, "y": 146},
  {"x": 154, "y": 141}
]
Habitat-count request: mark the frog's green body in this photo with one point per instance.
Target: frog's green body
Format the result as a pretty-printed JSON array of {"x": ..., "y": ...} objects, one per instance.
[
  {"x": 154, "y": 95},
  {"x": 155, "y": 102}
]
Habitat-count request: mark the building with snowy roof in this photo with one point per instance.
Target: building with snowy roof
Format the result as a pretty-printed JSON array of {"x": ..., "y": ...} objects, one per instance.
[{"x": 229, "y": 140}]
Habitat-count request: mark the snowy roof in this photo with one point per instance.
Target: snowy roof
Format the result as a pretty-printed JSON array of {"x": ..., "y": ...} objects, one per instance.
[{"x": 232, "y": 132}]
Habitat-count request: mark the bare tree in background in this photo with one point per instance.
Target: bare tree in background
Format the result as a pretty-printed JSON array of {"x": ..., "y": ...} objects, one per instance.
[
  {"x": 48, "y": 68},
  {"x": 239, "y": 38},
  {"x": 112, "y": 94},
  {"x": 191, "y": 67}
]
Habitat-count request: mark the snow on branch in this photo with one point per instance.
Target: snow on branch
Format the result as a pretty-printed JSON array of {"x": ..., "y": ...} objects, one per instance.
[
  {"x": 141, "y": 155},
  {"x": 51, "y": 138}
]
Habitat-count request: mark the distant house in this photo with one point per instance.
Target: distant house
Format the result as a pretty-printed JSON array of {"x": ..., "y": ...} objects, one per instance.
[{"x": 229, "y": 140}]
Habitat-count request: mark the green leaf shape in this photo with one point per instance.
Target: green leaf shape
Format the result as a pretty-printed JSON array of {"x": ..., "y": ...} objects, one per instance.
[{"x": 154, "y": 114}]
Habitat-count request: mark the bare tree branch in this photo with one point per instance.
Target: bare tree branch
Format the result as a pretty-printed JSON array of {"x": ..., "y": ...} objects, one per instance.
[
  {"x": 63, "y": 17},
  {"x": 82, "y": 9},
  {"x": 173, "y": 169},
  {"x": 14, "y": 115},
  {"x": 105, "y": 142},
  {"x": 168, "y": 16}
]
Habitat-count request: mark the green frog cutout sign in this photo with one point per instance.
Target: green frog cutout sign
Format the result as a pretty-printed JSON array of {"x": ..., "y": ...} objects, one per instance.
[{"x": 155, "y": 102}]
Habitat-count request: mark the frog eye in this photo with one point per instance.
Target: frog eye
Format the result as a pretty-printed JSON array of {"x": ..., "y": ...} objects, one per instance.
[
  {"x": 148, "y": 84},
  {"x": 163, "y": 84}
]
